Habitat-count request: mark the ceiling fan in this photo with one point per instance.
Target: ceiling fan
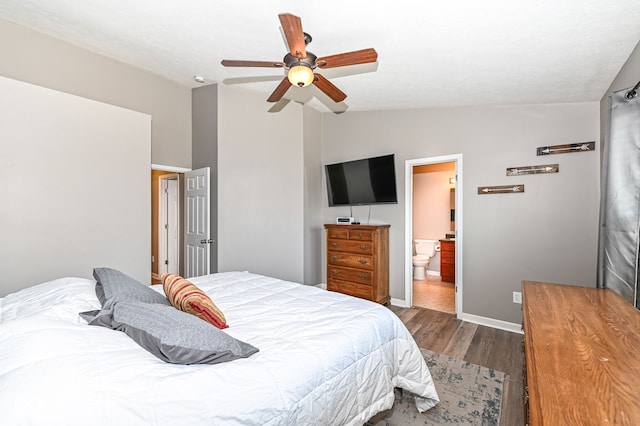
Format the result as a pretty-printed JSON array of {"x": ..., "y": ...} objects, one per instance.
[{"x": 300, "y": 64}]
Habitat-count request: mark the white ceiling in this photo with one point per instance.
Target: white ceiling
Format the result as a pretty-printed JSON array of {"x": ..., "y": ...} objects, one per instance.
[{"x": 431, "y": 52}]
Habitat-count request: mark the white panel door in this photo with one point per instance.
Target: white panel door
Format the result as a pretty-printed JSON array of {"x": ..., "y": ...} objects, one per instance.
[{"x": 197, "y": 234}]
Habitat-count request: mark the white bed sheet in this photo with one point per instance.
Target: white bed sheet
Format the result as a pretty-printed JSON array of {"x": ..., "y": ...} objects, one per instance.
[{"x": 324, "y": 359}]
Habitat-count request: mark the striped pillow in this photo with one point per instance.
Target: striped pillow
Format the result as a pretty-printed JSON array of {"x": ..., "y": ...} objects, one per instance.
[{"x": 184, "y": 295}]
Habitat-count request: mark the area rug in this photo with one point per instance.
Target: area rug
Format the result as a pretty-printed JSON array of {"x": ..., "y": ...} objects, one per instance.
[{"x": 469, "y": 395}]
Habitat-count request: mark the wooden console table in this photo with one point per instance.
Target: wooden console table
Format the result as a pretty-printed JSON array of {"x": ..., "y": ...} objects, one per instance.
[{"x": 582, "y": 351}]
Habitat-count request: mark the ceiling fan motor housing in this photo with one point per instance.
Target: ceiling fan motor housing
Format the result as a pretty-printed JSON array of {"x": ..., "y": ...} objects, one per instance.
[{"x": 291, "y": 61}]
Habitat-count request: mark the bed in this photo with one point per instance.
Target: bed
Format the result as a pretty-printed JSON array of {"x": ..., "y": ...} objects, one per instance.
[{"x": 323, "y": 358}]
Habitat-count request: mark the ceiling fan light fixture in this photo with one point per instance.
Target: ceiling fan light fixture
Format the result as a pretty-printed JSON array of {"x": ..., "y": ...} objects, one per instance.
[{"x": 300, "y": 76}]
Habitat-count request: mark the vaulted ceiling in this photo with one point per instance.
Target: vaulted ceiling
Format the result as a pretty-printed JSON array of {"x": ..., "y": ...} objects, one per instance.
[{"x": 431, "y": 53}]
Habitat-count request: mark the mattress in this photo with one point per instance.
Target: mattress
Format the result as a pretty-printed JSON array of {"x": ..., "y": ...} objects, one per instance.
[{"x": 324, "y": 358}]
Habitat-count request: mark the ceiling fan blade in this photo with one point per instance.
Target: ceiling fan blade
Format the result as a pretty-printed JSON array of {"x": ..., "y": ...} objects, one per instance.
[
  {"x": 292, "y": 27},
  {"x": 280, "y": 90},
  {"x": 279, "y": 106},
  {"x": 363, "y": 56},
  {"x": 252, "y": 79},
  {"x": 267, "y": 64},
  {"x": 321, "y": 100},
  {"x": 328, "y": 88}
]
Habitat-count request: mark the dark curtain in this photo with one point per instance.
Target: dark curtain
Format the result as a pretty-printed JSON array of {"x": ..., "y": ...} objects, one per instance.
[{"x": 619, "y": 238}]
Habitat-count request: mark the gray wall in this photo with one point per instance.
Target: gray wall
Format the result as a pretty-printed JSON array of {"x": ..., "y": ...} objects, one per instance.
[
  {"x": 313, "y": 187},
  {"x": 205, "y": 153},
  {"x": 48, "y": 62},
  {"x": 269, "y": 193},
  {"x": 75, "y": 187},
  {"x": 260, "y": 186},
  {"x": 549, "y": 233}
]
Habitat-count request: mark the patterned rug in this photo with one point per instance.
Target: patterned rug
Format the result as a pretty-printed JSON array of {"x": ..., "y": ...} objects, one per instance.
[{"x": 469, "y": 395}]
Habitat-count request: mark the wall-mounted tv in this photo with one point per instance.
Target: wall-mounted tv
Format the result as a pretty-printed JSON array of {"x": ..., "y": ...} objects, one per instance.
[{"x": 361, "y": 182}]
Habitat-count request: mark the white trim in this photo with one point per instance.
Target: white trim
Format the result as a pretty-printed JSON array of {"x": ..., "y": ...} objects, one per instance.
[
  {"x": 162, "y": 219},
  {"x": 399, "y": 302},
  {"x": 169, "y": 168},
  {"x": 475, "y": 319},
  {"x": 491, "y": 322},
  {"x": 408, "y": 225}
]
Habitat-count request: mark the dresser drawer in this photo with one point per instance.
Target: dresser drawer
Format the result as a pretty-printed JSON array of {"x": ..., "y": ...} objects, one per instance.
[
  {"x": 347, "y": 274},
  {"x": 360, "y": 235},
  {"x": 360, "y": 247},
  {"x": 352, "y": 289},
  {"x": 340, "y": 233},
  {"x": 350, "y": 260}
]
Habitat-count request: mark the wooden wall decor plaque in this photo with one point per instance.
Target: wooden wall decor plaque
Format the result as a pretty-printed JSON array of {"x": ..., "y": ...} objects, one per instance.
[
  {"x": 501, "y": 189},
  {"x": 532, "y": 170},
  {"x": 566, "y": 148}
]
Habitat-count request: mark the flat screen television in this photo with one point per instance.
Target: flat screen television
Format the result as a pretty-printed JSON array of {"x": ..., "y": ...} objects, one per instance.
[{"x": 362, "y": 182}]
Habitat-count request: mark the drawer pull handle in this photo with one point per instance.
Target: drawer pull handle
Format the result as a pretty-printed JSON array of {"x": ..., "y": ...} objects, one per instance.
[
  {"x": 337, "y": 235},
  {"x": 334, "y": 244},
  {"x": 363, "y": 261},
  {"x": 363, "y": 276},
  {"x": 363, "y": 247},
  {"x": 360, "y": 235},
  {"x": 334, "y": 257},
  {"x": 335, "y": 271}
]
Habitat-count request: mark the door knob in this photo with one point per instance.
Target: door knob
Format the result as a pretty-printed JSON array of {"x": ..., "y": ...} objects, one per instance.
[{"x": 206, "y": 241}]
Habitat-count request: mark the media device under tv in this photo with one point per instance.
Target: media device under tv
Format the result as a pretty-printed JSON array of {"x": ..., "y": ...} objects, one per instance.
[{"x": 362, "y": 182}]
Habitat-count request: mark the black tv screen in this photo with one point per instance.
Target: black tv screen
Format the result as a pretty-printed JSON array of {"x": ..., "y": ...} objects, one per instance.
[{"x": 360, "y": 182}]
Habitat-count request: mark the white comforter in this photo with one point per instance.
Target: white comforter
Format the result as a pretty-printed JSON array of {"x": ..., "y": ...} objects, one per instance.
[{"x": 324, "y": 359}]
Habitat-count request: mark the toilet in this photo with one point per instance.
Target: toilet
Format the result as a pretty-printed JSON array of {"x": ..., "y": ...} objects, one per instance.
[{"x": 425, "y": 250}]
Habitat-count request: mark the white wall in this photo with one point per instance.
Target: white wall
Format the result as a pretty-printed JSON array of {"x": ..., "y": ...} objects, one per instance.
[
  {"x": 36, "y": 58},
  {"x": 260, "y": 186},
  {"x": 549, "y": 233},
  {"x": 75, "y": 187}
]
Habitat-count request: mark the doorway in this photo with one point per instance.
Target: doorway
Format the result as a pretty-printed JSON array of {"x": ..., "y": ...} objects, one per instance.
[
  {"x": 166, "y": 221},
  {"x": 169, "y": 225},
  {"x": 433, "y": 216}
]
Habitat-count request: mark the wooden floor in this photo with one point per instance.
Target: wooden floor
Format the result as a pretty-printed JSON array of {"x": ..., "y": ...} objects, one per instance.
[{"x": 486, "y": 346}]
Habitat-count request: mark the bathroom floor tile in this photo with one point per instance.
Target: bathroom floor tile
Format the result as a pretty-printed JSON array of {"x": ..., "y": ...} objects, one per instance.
[{"x": 434, "y": 294}]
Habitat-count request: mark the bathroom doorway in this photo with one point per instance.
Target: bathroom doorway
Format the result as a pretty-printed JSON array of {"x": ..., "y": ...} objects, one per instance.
[{"x": 433, "y": 213}]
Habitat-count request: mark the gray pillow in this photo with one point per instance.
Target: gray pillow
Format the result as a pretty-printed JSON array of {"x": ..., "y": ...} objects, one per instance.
[
  {"x": 114, "y": 286},
  {"x": 175, "y": 336}
]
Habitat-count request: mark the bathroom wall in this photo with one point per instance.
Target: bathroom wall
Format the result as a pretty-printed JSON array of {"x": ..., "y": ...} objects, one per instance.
[{"x": 431, "y": 207}]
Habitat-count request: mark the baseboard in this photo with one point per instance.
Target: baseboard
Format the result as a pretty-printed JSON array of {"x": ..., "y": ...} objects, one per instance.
[
  {"x": 321, "y": 285},
  {"x": 491, "y": 322},
  {"x": 401, "y": 303},
  {"x": 476, "y": 319}
]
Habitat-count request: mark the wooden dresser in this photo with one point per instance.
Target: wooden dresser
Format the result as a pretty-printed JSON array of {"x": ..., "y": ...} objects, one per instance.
[
  {"x": 582, "y": 351},
  {"x": 358, "y": 261},
  {"x": 448, "y": 260}
]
